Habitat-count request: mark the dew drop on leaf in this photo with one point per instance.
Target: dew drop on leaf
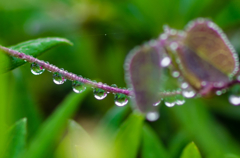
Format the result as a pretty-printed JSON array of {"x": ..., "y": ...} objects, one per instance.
[
  {"x": 120, "y": 99},
  {"x": 175, "y": 74},
  {"x": 234, "y": 100},
  {"x": 184, "y": 85},
  {"x": 165, "y": 62},
  {"x": 78, "y": 87},
  {"x": 152, "y": 116},
  {"x": 36, "y": 69},
  {"x": 99, "y": 94},
  {"x": 219, "y": 92},
  {"x": 58, "y": 78}
]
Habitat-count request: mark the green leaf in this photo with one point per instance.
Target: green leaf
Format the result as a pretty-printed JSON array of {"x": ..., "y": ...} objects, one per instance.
[
  {"x": 74, "y": 142},
  {"x": 53, "y": 126},
  {"x": 23, "y": 104},
  {"x": 4, "y": 91},
  {"x": 194, "y": 117},
  {"x": 34, "y": 48},
  {"x": 113, "y": 119},
  {"x": 16, "y": 139},
  {"x": 128, "y": 137},
  {"x": 191, "y": 151},
  {"x": 152, "y": 146},
  {"x": 231, "y": 156}
]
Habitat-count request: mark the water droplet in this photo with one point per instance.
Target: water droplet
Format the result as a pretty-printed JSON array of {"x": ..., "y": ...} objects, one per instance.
[
  {"x": 188, "y": 93},
  {"x": 218, "y": 84},
  {"x": 25, "y": 61},
  {"x": 99, "y": 94},
  {"x": 78, "y": 87},
  {"x": 234, "y": 100},
  {"x": 120, "y": 99},
  {"x": 152, "y": 116},
  {"x": 114, "y": 85},
  {"x": 170, "y": 101},
  {"x": 175, "y": 74},
  {"x": 180, "y": 100},
  {"x": 184, "y": 85},
  {"x": 203, "y": 83},
  {"x": 58, "y": 78},
  {"x": 219, "y": 92},
  {"x": 165, "y": 62},
  {"x": 173, "y": 46},
  {"x": 238, "y": 77},
  {"x": 37, "y": 69},
  {"x": 157, "y": 103}
]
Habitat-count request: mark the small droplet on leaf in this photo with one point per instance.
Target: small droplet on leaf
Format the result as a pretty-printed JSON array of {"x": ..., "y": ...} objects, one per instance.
[
  {"x": 78, "y": 87},
  {"x": 219, "y": 92},
  {"x": 175, "y": 74},
  {"x": 165, "y": 62},
  {"x": 234, "y": 100},
  {"x": 99, "y": 94},
  {"x": 184, "y": 85},
  {"x": 36, "y": 69},
  {"x": 58, "y": 78},
  {"x": 152, "y": 116}
]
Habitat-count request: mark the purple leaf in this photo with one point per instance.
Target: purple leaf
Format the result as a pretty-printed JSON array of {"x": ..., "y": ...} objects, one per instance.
[
  {"x": 203, "y": 54},
  {"x": 143, "y": 72}
]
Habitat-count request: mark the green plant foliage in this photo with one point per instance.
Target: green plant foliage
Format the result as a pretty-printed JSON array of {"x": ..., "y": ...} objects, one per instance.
[
  {"x": 3, "y": 106},
  {"x": 113, "y": 118},
  {"x": 17, "y": 136},
  {"x": 103, "y": 33},
  {"x": 53, "y": 126},
  {"x": 128, "y": 137},
  {"x": 72, "y": 146},
  {"x": 34, "y": 48},
  {"x": 152, "y": 146},
  {"x": 191, "y": 150}
]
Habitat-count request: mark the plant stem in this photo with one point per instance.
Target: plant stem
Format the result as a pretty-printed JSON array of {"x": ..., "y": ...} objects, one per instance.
[{"x": 68, "y": 75}]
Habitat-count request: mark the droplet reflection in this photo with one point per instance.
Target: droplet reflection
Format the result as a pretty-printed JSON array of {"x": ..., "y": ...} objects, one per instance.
[{"x": 152, "y": 116}]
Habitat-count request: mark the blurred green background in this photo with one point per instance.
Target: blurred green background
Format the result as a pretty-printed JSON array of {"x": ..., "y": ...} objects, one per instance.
[{"x": 103, "y": 32}]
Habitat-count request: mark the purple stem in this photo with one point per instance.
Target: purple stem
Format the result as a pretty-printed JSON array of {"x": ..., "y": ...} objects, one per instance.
[{"x": 67, "y": 75}]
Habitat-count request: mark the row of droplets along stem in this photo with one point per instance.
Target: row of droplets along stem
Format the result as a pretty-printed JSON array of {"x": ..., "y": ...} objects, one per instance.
[{"x": 79, "y": 87}]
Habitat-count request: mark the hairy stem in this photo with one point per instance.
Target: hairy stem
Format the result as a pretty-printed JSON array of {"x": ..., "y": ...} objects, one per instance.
[
  {"x": 67, "y": 75},
  {"x": 72, "y": 77}
]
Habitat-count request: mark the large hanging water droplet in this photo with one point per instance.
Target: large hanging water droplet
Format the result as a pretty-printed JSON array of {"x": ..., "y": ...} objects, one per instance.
[
  {"x": 188, "y": 92},
  {"x": 165, "y": 62},
  {"x": 99, "y": 94},
  {"x": 170, "y": 101},
  {"x": 234, "y": 100},
  {"x": 58, "y": 78},
  {"x": 36, "y": 69},
  {"x": 120, "y": 99},
  {"x": 152, "y": 116},
  {"x": 78, "y": 87},
  {"x": 180, "y": 100}
]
